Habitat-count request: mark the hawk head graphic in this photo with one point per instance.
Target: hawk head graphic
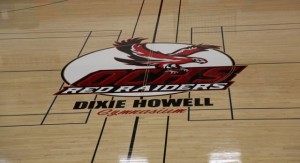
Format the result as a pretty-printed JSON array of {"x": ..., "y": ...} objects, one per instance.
[{"x": 140, "y": 55}]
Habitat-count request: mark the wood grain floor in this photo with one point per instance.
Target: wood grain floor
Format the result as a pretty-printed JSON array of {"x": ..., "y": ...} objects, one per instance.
[{"x": 255, "y": 120}]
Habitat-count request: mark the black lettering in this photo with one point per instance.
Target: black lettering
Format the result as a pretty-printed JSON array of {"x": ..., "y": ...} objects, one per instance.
[
  {"x": 171, "y": 102},
  {"x": 80, "y": 105},
  {"x": 111, "y": 104},
  {"x": 120, "y": 104},
  {"x": 198, "y": 102},
  {"x": 187, "y": 102},
  {"x": 207, "y": 102},
  {"x": 101, "y": 104},
  {"x": 139, "y": 103},
  {"x": 91, "y": 104},
  {"x": 154, "y": 103}
]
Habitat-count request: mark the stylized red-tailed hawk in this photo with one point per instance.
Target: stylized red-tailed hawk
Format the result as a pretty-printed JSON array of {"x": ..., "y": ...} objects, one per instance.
[{"x": 140, "y": 55}]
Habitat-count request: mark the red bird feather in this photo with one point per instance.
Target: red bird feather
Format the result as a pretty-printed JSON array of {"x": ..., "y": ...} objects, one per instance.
[{"x": 140, "y": 55}]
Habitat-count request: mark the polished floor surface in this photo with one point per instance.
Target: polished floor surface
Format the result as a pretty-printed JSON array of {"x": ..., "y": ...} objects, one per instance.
[{"x": 256, "y": 120}]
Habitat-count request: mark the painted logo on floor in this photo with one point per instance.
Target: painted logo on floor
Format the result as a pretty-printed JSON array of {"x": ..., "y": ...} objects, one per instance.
[{"x": 134, "y": 68}]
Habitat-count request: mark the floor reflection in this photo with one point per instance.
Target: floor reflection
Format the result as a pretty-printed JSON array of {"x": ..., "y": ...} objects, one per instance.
[{"x": 225, "y": 157}]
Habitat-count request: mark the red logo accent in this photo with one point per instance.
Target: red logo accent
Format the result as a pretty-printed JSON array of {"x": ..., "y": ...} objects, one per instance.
[{"x": 132, "y": 67}]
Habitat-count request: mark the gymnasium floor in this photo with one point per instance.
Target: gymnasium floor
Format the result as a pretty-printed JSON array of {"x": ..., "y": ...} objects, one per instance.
[{"x": 255, "y": 120}]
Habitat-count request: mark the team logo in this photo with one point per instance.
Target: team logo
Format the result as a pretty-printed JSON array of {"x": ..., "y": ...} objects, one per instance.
[{"x": 135, "y": 68}]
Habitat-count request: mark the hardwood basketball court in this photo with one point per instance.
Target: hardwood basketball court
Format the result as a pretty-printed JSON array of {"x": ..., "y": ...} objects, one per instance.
[{"x": 43, "y": 43}]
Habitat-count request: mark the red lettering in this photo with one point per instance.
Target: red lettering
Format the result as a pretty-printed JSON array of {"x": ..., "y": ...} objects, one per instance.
[
  {"x": 135, "y": 78},
  {"x": 198, "y": 75},
  {"x": 101, "y": 78},
  {"x": 104, "y": 112},
  {"x": 218, "y": 74},
  {"x": 168, "y": 78}
]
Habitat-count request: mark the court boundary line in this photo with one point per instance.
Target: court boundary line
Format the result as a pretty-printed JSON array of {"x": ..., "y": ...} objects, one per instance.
[
  {"x": 21, "y": 71},
  {"x": 96, "y": 96},
  {"x": 228, "y": 90},
  {"x": 153, "y": 40},
  {"x": 53, "y": 101},
  {"x": 130, "y": 150},
  {"x": 99, "y": 139},
  {"x": 170, "y": 96},
  {"x": 49, "y": 70},
  {"x": 145, "y": 78},
  {"x": 137, "y": 118},
  {"x": 192, "y": 120},
  {"x": 178, "y": 21},
  {"x": 90, "y": 111},
  {"x": 38, "y": 114},
  {"x": 46, "y": 124},
  {"x": 250, "y": 119},
  {"x": 33, "y": 38},
  {"x": 221, "y": 119},
  {"x": 166, "y": 139},
  {"x": 157, "y": 21},
  {"x": 262, "y": 108},
  {"x": 240, "y": 108},
  {"x": 271, "y": 63},
  {"x": 28, "y": 8},
  {"x": 42, "y": 32},
  {"x": 274, "y": 24},
  {"x": 189, "y": 108},
  {"x": 50, "y": 107},
  {"x": 191, "y": 33},
  {"x": 43, "y": 120},
  {"x": 138, "y": 18},
  {"x": 54, "y": 70},
  {"x": 275, "y": 118},
  {"x": 258, "y": 30}
]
